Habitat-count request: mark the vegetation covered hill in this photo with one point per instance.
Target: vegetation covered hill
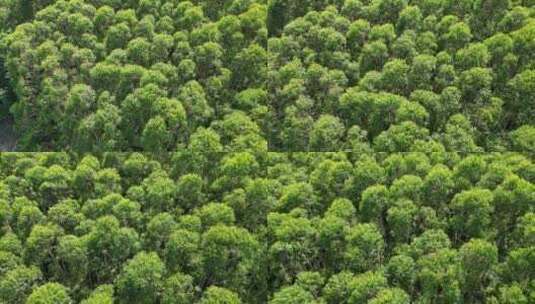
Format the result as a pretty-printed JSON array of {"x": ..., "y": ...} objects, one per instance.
[{"x": 303, "y": 228}]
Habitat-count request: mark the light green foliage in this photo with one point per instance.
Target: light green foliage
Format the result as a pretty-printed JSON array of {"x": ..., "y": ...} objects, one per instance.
[
  {"x": 261, "y": 227},
  {"x": 325, "y": 75},
  {"x": 292, "y": 295},
  {"x": 523, "y": 138},
  {"x": 16, "y": 284},
  {"x": 407, "y": 132},
  {"x": 134, "y": 75},
  {"x": 50, "y": 293},
  {"x": 141, "y": 279},
  {"x": 391, "y": 296},
  {"x": 179, "y": 288},
  {"x": 469, "y": 58},
  {"x": 102, "y": 294},
  {"x": 218, "y": 295},
  {"x": 472, "y": 212},
  {"x": 365, "y": 248},
  {"x": 478, "y": 259}
]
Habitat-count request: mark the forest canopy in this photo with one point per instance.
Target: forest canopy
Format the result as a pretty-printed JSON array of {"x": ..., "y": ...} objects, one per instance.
[
  {"x": 457, "y": 72},
  {"x": 152, "y": 75},
  {"x": 134, "y": 75},
  {"x": 304, "y": 228},
  {"x": 267, "y": 151}
]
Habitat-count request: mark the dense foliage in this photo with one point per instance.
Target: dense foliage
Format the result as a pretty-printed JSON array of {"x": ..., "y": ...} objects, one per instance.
[
  {"x": 274, "y": 228},
  {"x": 459, "y": 71},
  {"x": 183, "y": 197},
  {"x": 133, "y": 75},
  {"x": 300, "y": 75}
]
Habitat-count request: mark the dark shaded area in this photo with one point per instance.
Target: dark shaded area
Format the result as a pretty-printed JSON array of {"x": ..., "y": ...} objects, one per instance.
[
  {"x": 26, "y": 10},
  {"x": 8, "y": 140},
  {"x": 276, "y": 17},
  {"x": 7, "y": 96}
]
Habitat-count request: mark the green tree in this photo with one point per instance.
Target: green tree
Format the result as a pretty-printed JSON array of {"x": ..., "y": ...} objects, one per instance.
[
  {"x": 178, "y": 288},
  {"x": 108, "y": 246},
  {"x": 365, "y": 247},
  {"x": 17, "y": 284},
  {"x": 102, "y": 294},
  {"x": 478, "y": 257},
  {"x": 326, "y": 134},
  {"x": 230, "y": 258},
  {"x": 219, "y": 295},
  {"x": 523, "y": 138},
  {"x": 50, "y": 293},
  {"x": 291, "y": 295},
  {"x": 472, "y": 214},
  {"x": 365, "y": 286},
  {"x": 439, "y": 277},
  {"x": 182, "y": 251},
  {"x": 391, "y": 296},
  {"x": 141, "y": 279},
  {"x": 522, "y": 93}
]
